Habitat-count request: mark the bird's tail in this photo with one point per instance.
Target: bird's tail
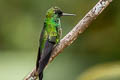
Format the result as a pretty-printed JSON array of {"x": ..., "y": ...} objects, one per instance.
[
  {"x": 45, "y": 57},
  {"x": 41, "y": 75}
]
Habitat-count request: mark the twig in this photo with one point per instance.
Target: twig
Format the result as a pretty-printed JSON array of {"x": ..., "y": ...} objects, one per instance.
[{"x": 73, "y": 34}]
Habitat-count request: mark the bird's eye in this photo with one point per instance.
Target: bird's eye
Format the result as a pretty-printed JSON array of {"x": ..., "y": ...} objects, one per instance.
[{"x": 58, "y": 12}]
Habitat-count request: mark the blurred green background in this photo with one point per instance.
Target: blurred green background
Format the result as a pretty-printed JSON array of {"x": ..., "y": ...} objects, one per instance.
[{"x": 95, "y": 55}]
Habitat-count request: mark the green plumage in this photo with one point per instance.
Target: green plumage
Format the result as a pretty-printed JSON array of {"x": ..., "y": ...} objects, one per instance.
[
  {"x": 52, "y": 27},
  {"x": 50, "y": 36}
]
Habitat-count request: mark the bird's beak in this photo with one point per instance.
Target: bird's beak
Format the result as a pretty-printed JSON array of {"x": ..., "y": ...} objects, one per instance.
[{"x": 67, "y": 14}]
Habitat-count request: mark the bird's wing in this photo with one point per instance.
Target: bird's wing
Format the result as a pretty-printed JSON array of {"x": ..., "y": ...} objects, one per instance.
[
  {"x": 49, "y": 45},
  {"x": 46, "y": 53},
  {"x": 39, "y": 50}
]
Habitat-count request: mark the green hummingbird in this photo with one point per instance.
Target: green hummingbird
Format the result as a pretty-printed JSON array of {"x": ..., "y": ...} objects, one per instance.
[{"x": 50, "y": 36}]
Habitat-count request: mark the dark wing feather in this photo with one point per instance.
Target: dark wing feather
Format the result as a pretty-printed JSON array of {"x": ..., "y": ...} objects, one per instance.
[
  {"x": 45, "y": 57},
  {"x": 46, "y": 54},
  {"x": 39, "y": 51}
]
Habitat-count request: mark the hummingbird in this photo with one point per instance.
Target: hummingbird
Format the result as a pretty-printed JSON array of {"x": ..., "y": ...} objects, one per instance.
[{"x": 49, "y": 38}]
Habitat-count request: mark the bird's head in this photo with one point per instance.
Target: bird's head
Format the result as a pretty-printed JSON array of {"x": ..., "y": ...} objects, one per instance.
[{"x": 56, "y": 12}]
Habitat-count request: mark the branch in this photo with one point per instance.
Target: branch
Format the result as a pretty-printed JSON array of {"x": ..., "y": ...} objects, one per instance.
[{"x": 73, "y": 34}]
